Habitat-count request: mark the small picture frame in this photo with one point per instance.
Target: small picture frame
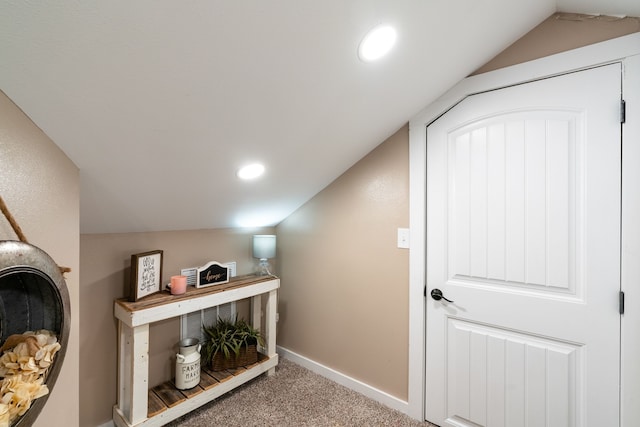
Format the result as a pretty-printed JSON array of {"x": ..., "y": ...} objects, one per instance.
[{"x": 146, "y": 274}]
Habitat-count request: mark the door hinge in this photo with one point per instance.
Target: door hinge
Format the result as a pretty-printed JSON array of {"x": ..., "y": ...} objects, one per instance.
[
  {"x": 623, "y": 111},
  {"x": 621, "y": 302}
]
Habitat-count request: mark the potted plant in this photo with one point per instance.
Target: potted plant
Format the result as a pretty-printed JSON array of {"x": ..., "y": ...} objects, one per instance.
[{"x": 230, "y": 344}]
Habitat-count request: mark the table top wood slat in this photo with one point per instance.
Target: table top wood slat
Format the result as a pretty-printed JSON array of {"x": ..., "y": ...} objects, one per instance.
[{"x": 165, "y": 296}]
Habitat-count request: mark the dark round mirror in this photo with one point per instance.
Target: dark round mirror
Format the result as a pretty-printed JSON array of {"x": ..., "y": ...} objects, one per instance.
[{"x": 33, "y": 296}]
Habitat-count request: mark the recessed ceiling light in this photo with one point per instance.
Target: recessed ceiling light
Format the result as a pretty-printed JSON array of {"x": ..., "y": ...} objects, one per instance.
[
  {"x": 251, "y": 171},
  {"x": 377, "y": 43}
]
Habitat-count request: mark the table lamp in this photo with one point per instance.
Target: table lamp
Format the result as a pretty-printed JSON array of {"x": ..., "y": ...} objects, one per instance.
[{"x": 264, "y": 247}]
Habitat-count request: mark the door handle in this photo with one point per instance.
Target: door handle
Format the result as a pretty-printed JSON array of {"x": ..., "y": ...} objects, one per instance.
[{"x": 436, "y": 294}]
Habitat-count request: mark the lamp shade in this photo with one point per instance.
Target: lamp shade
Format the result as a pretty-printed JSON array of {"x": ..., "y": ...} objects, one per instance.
[{"x": 264, "y": 246}]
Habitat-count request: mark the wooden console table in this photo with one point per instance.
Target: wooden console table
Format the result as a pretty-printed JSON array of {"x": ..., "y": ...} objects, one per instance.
[{"x": 140, "y": 406}]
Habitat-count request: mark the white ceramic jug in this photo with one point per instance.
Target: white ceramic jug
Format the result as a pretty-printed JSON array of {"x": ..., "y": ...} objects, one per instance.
[{"x": 188, "y": 364}]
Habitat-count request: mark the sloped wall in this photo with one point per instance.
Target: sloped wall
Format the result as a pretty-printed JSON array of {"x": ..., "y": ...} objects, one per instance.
[{"x": 344, "y": 283}]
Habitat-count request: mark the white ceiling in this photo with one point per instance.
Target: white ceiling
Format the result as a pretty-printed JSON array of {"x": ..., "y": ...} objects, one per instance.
[{"x": 159, "y": 102}]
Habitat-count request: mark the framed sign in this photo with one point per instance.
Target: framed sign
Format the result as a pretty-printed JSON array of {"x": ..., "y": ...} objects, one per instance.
[
  {"x": 146, "y": 274},
  {"x": 213, "y": 273}
]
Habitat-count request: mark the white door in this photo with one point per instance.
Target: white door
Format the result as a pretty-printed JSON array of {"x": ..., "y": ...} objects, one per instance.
[{"x": 523, "y": 235}]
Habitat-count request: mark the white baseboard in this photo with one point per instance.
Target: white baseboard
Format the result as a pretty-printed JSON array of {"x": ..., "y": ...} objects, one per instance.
[
  {"x": 344, "y": 380},
  {"x": 108, "y": 424}
]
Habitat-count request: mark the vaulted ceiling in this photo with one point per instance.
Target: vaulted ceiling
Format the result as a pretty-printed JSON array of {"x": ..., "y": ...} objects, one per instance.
[{"x": 159, "y": 102}]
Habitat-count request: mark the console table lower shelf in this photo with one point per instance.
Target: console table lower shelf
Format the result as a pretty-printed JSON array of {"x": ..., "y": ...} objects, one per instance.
[{"x": 166, "y": 403}]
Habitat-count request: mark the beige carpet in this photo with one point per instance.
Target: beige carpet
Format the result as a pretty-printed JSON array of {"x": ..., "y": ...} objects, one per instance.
[{"x": 294, "y": 396}]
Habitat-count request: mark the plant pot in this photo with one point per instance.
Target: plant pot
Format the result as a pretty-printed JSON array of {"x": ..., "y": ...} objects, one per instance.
[{"x": 248, "y": 355}]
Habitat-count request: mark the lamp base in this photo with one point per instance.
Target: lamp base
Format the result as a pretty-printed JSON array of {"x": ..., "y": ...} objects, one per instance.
[{"x": 263, "y": 268}]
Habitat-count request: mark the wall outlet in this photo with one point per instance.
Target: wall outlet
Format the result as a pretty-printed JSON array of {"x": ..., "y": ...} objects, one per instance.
[
  {"x": 232, "y": 268},
  {"x": 403, "y": 238}
]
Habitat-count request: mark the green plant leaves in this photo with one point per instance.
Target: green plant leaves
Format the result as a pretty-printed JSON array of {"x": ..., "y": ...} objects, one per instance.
[{"x": 227, "y": 337}]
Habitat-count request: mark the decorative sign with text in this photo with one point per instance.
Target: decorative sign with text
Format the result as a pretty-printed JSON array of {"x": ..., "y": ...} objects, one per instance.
[
  {"x": 146, "y": 274},
  {"x": 211, "y": 274}
]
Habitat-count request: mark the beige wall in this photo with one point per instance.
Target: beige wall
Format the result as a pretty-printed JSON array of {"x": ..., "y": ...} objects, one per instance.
[
  {"x": 40, "y": 185},
  {"x": 344, "y": 292},
  {"x": 559, "y": 33},
  {"x": 105, "y": 260}
]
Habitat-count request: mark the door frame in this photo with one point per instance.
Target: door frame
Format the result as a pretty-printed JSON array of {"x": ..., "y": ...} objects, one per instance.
[{"x": 625, "y": 50}]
